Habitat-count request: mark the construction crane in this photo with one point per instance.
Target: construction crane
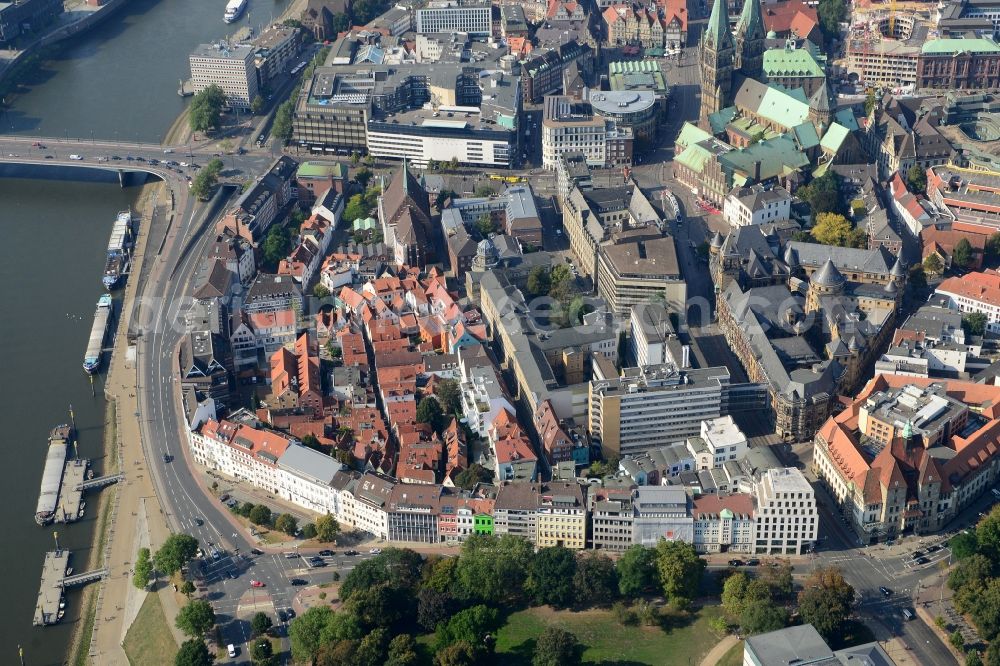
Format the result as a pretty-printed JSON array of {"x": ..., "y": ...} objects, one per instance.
[{"x": 892, "y": 19}]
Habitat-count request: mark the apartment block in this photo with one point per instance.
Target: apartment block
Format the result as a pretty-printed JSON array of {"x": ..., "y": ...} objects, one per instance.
[{"x": 455, "y": 16}]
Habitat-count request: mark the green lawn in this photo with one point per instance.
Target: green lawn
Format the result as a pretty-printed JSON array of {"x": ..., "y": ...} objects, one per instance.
[
  {"x": 734, "y": 657},
  {"x": 686, "y": 640},
  {"x": 149, "y": 640}
]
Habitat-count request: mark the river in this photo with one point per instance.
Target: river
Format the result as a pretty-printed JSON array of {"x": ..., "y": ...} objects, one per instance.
[{"x": 117, "y": 81}]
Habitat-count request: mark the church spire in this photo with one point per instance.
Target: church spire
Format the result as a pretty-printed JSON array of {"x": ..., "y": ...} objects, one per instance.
[
  {"x": 750, "y": 37},
  {"x": 716, "y": 60},
  {"x": 717, "y": 35}
]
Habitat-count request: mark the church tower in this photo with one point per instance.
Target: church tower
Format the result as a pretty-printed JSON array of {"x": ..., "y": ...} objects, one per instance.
[
  {"x": 749, "y": 44},
  {"x": 717, "y": 52},
  {"x": 821, "y": 109}
]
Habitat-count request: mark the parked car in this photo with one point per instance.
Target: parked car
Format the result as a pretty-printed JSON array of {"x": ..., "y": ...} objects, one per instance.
[
  {"x": 291, "y": 555},
  {"x": 921, "y": 560},
  {"x": 350, "y": 552},
  {"x": 199, "y": 522},
  {"x": 375, "y": 551},
  {"x": 753, "y": 562},
  {"x": 255, "y": 551},
  {"x": 886, "y": 592},
  {"x": 256, "y": 583},
  {"x": 167, "y": 457},
  {"x": 231, "y": 650},
  {"x": 918, "y": 553},
  {"x": 935, "y": 548},
  {"x": 282, "y": 616},
  {"x": 326, "y": 553},
  {"x": 735, "y": 563}
]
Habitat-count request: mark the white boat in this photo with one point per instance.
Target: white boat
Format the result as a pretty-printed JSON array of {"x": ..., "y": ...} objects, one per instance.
[{"x": 234, "y": 10}]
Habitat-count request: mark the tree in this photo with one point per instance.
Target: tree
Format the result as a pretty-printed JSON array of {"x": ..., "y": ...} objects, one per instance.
[
  {"x": 433, "y": 607},
  {"x": 193, "y": 652},
  {"x": 175, "y": 552},
  {"x": 988, "y": 535},
  {"x": 143, "y": 570},
  {"x": 337, "y": 653},
  {"x": 831, "y": 14},
  {"x": 309, "y": 631},
  {"x": 974, "y": 323},
  {"x": 956, "y": 639},
  {"x": 399, "y": 567},
  {"x": 963, "y": 545},
  {"x": 187, "y": 588},
  {"x": 834, "y": 229},
  {"x": 595, "y": 580},
  {"x": 327, "y": 528},
  {"x": 356, "y": 208},
  {"x": 734, "y": 592},
  {"x": 470, "y": 625},
  {"x": 257, "y": 105},
  {"x": 825, "y": 602},
  {"x": 277, "y": 244},
  {"x": 286, "y": 523},
  {"x": 556, "y": 647},
  {"x": 636, "y": 571},
  {"x": 491, "y": 568},
  {"x": 320, "y": 291},
  {"x": 916, "y": 179},
  {"x": 993, "y": 245},
  {"x": 260, "y": 515},
  {"x": 260, "y": 623},
  {"x": 372, "y": 649},
  {"x": 206, "y": 179},
  {"x": 538, "y": 281},
  {"x": 196, "y": 618},
  {"x": 870, "y": 101},
  {"x": 281, "y": 128},
  {"x": 962, "y": 253},
  {"x": 972, "y": 570},
  {"x": 933, "y": 265},
  {"x": 823, "y": 193},
  {"x": 206, "y": 109},
  {"x": 457, "y": 654},
  {"x": 972, "y": 658},
  {"x": 449, "y": 394},
  {"x": 778, "y": 576},
  {"x": 485, "y": 225},
  {"x": 443, "y": 196},
  {"x": 473, "y": 474},
  {"x": 402, "y": 651},
  {"x": 363, "y": 176},
  {"x": 550, "y": 576},
  {"x": 384, "y": 604},
  {"x": 763, "y": 617},
  {"x": 244, "y": 509},
  {"x": 679, "y": 569},
  {"x": 985, "y": 610},
  {"x": 429, "y": 412}
]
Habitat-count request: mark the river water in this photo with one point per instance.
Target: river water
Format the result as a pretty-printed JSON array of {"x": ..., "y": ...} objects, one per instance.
[{"x": 117, "y": 81}]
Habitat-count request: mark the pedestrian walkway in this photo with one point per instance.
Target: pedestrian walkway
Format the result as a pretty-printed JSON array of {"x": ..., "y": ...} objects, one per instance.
[
  {"x": 719, "y": 651},
  {"x": 116, "y": 610}
]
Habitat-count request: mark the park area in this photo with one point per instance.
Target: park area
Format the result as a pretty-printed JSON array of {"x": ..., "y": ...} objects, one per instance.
[
  {"x": 678, "y": 638},
  {"x": 149, "y": 640}
]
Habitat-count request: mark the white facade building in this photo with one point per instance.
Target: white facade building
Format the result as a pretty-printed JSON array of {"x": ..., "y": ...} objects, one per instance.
[
  {"x": 661, "y": 512},
  {"x": 482, "y": 398},
  {"x": 787, "y": 517},
  {"x": 451, "y": 16},
  {"x": 755, "y": 205},
  {"x": 724, "y": 439},
  {"x": 724, "y": 523},
  {"x": 231, "y": 67}
]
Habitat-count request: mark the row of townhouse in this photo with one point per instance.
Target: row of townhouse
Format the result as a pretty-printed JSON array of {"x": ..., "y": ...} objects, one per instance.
[{"x": 778, "y": 515}]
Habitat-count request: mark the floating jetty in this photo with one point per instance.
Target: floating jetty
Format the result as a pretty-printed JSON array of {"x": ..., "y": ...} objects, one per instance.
[
  {"x": 60, "y": 440},
  {"x": 64, "y": 481},
  {"x": 56, "y": 577}
]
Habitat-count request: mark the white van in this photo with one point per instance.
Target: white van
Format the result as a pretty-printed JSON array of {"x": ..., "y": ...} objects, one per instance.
[
  {"x": 75, "y": 157},
  {"x": 167, "y": 151},
  {"x": 907, "y": 614},
  {"x": 231, "y": 649}
]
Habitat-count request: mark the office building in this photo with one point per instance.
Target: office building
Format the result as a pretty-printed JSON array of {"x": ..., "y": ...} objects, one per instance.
[
  {"x": 571, "y": 127},
  {"x": 449, "y": 16},
  {"x": 651, "y": 406},
  {"x": 231, "y": 67}
]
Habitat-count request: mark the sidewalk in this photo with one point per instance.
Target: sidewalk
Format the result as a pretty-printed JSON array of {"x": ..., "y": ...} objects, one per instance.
[
  {"x": 117, "y": 608},
  {"x": 719, "y": 651}
]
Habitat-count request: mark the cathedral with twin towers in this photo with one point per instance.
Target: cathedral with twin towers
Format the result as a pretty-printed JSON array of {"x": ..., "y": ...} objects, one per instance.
[{"x": 727, "y": 57}]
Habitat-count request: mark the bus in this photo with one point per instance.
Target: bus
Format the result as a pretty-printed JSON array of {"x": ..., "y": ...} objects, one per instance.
[
  {"x": 299, "y": 67},
  {"x": 507, "y": 179}
]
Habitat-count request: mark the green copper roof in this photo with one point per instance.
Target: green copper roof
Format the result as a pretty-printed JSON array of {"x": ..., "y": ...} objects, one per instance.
[
  {"x": 907, "y": 430},
  {"x": 751, "y": 22},
  {"x": 833, "y": 138},
  {"x": 783, "y": 107},
  {"x": 717, "y": 30},
  {"x": 961, "y": 45},
  {"x": 846, "y": 118},
  {"x": 694, "y": 157},
  {"x": 691, "y": 134},
  {"x": 721, "y": 118},
  {"x": 791, "y": 63},
  {"x": 806, "y": 135},
  {"x": 322, "y": 170},
  {"x": 765, "y": 159}
]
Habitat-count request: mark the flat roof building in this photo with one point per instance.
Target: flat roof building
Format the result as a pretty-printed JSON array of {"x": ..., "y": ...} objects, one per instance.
[{"x": 231, "y": 67}]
